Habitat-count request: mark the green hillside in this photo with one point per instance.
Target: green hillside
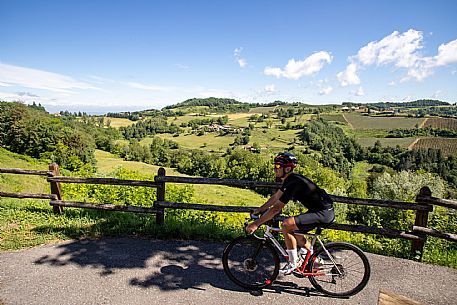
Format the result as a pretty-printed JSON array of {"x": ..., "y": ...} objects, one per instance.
[{"x": 22, "y": 183}]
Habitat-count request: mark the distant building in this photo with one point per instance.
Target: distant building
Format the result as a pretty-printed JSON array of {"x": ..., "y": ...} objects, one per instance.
[{"x": 362, "y": 109}]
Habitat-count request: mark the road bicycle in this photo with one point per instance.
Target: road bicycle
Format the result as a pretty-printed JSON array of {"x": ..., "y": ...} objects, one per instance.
[{"x": 336, "y": 269}]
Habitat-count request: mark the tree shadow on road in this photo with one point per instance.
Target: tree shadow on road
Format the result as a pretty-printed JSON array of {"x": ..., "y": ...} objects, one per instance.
[
  {"x": 168, "y": 265},
  {"x": 165, "y": 264}
]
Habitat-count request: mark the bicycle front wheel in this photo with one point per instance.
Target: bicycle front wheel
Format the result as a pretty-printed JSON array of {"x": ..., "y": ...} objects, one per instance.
[
  {"x": 251, "y": 262},
  {"x": 343, "y": 270}
]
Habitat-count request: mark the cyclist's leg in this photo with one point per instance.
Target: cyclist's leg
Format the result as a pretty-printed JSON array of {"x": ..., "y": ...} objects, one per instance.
[
  {"x": 288, "y": 228},
  {"x": 310, "y": 220},
  {"x": 301, "y": 240}
]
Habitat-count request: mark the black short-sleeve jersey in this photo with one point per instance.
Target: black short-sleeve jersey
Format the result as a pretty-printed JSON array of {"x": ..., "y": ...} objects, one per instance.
[{"x": 300, "y": 188}]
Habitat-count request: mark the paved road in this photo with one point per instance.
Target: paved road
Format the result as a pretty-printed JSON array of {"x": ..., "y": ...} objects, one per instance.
[{"x": 135, "y": 271}]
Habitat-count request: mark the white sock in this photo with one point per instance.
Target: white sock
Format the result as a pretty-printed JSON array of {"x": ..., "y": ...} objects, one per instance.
[{"x": 293, "y": 255}]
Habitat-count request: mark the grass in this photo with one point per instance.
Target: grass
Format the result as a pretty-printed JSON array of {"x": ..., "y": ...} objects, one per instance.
[
  {"x": 361, "y": 122},
  {"x": 210, "y": 194},
  {"x": 119, "y": 122},
  {"x": 29, "y": 223},
  {"x": 392, "y": 142},
  {"x": 107, "y": 163},
  {"x": 26, "y": 223},
  {"x": 268, "y": 138},
  {"x": 22, "y": 183},
  {"x": 209, "y": 141}
]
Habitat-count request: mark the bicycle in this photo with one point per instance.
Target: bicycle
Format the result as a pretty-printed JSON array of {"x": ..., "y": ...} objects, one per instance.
[{"x": 336, "y": 269}]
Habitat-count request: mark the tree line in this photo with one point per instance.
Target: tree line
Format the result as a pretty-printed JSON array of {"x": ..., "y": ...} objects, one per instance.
[
  {"x": 32, "y": 131},
  {"x": 340, "y": 152}
]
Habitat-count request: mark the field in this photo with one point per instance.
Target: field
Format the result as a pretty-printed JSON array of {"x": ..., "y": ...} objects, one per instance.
[
  {"x": 211, "y": 194},
  {"x": 119, "y": 122},
  {"x": 22, "y": 183},
  {"x": 361, "y": 122},
  {"x": 333, "y": 117},
  {"x": 448, "y": 146},
  {"x": 262, "y": 110},
  {"x": 107, "y": 163},
  {"x": 392, "y": 142},
  {"x": 443, "y": 123},
  {"x": 208, "y": 141}
]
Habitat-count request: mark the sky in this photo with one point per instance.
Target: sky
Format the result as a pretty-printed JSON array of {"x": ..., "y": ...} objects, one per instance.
[{"x": 109, "y": 56}]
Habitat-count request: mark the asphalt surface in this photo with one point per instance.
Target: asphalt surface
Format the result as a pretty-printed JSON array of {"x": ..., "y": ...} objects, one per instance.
[{"x": 136, "y": 271}]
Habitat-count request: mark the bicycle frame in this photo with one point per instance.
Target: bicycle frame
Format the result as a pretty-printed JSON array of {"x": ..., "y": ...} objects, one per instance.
[{"x": 313, "y": 237}]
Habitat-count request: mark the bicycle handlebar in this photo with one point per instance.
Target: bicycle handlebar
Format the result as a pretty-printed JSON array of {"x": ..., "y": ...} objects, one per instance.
[{"x": 274, "y": 219}]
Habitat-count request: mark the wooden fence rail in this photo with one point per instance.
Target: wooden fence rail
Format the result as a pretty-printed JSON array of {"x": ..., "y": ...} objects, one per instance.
[
  {"x": 423, "y": 205},
  {"x": 24, "y": 171},
  {"x": 109, "y": 181}
]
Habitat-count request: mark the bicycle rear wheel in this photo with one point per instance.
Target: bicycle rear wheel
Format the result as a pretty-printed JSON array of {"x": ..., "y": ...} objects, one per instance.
[
  {"x": 251, "y": 262},
  {"x": 344, "y": 273}
]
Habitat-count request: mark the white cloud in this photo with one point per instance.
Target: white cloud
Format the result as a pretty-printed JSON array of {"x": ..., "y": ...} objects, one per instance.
[
  {"x": 326, "y": 90},
  {"x": 32, "y": 78},
  {"x": 419, "y": 72},
  {"x": 270, "y": 88},
  {"x": 349, "y": 76},
  {"x": 148, "y": 87},
  {"x": 297, "y": 69},
  {"x": 402, "y": 50},
  {"x": 240, "y": 60},
  {"x": 360, "y": 92},
  {"x": 447, "y": 54}
]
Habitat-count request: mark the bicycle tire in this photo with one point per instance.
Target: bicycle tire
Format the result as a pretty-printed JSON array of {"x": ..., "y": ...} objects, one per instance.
[
  {"x": 352, "y": 263},
  {"x": 251, "y": 262}
]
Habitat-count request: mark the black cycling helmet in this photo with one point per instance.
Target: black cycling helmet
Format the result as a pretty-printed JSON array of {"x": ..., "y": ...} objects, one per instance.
[{"x": 286, "y": 159}]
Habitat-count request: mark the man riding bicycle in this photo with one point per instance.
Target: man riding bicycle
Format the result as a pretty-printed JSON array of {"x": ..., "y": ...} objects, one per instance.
[{"x": 299, "y": 188}]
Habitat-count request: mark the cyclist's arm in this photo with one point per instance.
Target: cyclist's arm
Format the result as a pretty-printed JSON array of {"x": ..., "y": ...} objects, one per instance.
[
  {"x": 276, "y": 208},
  {"x": 271, "y": 201}
]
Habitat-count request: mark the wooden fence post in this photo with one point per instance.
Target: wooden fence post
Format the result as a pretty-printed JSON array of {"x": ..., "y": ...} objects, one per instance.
[
  {"x": 421, "y": 221},
  {"x": 55, "y": 187},
  {"x": 160, "y": 217}
]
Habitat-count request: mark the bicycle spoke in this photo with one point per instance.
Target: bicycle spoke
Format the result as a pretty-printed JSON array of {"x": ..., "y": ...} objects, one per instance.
[
  {"x": 346, "y": 271},
  {"x": 251, "y": 263}
]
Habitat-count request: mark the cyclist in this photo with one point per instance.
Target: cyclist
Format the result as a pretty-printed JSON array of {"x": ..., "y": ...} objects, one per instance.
[{"x": 300, "y": 188}]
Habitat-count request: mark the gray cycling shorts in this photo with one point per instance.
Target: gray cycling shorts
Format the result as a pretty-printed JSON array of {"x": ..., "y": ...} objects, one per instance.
[{"x": 310, "y": 220}]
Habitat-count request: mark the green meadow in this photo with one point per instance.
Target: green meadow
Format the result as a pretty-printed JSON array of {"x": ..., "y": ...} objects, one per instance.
[{"x": 27, "y": 223}]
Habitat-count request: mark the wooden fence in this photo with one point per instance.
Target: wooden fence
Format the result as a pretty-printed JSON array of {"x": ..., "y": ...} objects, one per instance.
[{"x": 418, "y": 235}]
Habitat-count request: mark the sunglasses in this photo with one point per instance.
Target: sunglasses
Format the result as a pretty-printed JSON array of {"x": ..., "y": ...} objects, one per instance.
[{"x": 278, "y": 166}]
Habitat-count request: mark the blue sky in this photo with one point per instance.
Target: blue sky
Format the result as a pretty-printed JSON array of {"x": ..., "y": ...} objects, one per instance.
[{"x": 100, "y": 56}]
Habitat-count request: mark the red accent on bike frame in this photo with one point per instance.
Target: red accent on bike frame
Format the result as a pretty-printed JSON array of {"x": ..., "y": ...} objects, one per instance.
[
  {"x": 313, "y": 274},
  {"x": 302, "y": 269},
  {"x": 268, "y": 282}
]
